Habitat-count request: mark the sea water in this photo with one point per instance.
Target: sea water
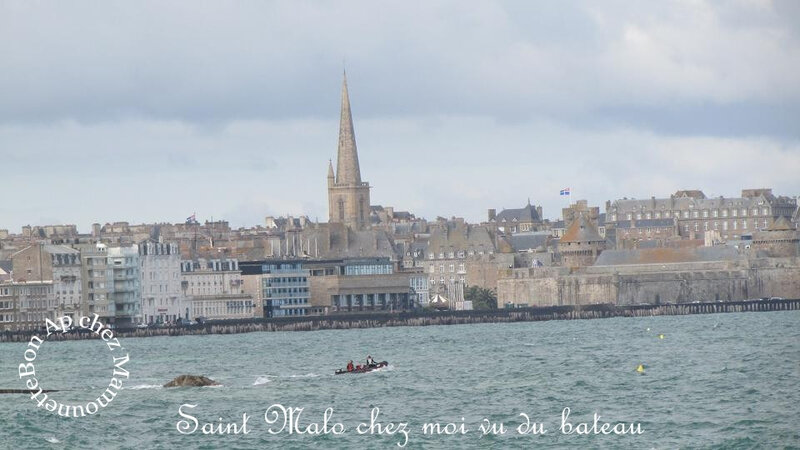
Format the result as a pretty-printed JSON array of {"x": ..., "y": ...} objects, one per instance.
[{"x": 715, "y": 381}]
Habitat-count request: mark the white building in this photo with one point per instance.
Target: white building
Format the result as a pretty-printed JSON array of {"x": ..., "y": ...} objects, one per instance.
[
  {"x": 214, "y": 289},
  {"x": 162, "y": 297},
  {"x": 123, "y": 263}
]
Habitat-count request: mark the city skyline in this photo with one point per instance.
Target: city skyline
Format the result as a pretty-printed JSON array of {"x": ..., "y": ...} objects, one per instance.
[{"x": 469, "y": 109}]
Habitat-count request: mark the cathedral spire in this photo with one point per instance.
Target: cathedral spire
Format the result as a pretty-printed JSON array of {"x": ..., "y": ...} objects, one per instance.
[{"x": 347, "y": 170}]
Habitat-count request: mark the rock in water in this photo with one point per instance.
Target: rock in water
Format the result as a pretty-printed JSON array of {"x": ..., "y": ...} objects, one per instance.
[{"x": 191, "y": 380}]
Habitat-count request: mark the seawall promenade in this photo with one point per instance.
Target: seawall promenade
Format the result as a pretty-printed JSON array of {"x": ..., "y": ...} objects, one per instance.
[{"x": 427, "y": 318}]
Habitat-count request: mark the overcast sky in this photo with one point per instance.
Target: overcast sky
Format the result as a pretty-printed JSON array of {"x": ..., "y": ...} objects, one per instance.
[{"x": 150, "y": 111}]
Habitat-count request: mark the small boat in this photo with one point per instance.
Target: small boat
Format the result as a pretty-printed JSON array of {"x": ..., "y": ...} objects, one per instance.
[{"x": 363, "y": 369}]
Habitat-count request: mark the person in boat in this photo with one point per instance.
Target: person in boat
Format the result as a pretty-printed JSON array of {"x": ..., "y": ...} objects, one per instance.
[
  {"x": 350, "y": 366},
  {"x": 370, "y": 361}
]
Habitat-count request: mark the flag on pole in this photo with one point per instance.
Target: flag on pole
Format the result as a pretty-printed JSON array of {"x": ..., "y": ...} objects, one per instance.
[
  {"x": 564, "y": 191},
  {"x": 191, "y": 219}
]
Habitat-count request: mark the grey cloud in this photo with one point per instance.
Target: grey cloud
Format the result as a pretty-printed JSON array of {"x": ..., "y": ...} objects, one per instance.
[{"x": 211, "y": 62}]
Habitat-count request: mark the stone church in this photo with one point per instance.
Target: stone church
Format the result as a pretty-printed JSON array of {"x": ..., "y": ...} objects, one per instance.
[{"x": 348, "y": 196}]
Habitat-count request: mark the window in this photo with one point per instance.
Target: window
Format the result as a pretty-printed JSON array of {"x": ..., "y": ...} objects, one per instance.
[
  {"x": 716, "y": 213},
  {"x": 695, "y": 214},
  {"x": 705, "y": 213}
]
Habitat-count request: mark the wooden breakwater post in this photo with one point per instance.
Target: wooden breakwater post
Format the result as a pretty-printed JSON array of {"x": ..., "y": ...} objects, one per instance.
[{"x": 345, "y": 321}]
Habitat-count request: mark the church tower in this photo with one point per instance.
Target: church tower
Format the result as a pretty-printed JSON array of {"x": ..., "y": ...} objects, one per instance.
[{"x": 348, "y": 196}]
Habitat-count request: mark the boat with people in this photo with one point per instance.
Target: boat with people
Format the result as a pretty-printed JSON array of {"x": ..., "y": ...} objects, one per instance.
[
  {"x": 369, "y": 366},
  {"x": 363, "y": 369}
]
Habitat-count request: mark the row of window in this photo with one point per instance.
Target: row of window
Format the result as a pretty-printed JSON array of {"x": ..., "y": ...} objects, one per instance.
[
  {"x": 368, "y": 269},
  {"x": 280, "y": 280},
  {"x": 461, "y": 279},
  {"x": 276, "y": 291},
  {"x": 460, "y": 254},
  {"x": 461, "y": 268},
  {"x": 726, "y": 225},
  {"x": 695, "y": 214}
]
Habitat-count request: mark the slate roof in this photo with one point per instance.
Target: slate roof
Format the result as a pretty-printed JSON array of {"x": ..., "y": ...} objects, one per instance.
[
  {"x": 529, "y": 241},
  {"x": 526, "y": 214}
]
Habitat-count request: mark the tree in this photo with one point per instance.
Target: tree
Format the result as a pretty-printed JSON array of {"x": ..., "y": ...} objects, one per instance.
[{"x": 481, "y": 298}]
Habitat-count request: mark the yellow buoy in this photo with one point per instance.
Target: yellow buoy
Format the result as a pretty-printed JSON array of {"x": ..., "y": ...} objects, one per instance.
[
  {"x": 640, "y": 368},
  {"x": 661, "y": 336}
]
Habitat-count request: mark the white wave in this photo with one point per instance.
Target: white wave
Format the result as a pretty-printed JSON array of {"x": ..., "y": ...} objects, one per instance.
[
  {"x": 306, "y": 375},
  {"x": 52, "y": 440},
  {"x": 144, "y": 386},
  {"x": 388, "y": 368},
  {"x": 261, "y": 380}
]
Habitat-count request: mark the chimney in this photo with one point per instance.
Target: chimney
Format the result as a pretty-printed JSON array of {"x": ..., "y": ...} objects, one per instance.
[{"x": 492, "y": 214}]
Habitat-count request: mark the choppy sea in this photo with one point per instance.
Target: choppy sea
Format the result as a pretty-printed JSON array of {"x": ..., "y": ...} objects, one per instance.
[{"x": 709, "y": 381}]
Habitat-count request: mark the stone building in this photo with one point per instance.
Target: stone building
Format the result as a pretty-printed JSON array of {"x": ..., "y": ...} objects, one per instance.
[
  {"x": 24, "y": 305},
  {"x": 162, "y": 297},
  {"x": 646, "y": 232},
  {"x": 756, "y": 209},
  {"x": 58, "y": 263},
  {"x": 581, "y": 244},
  {"x": 521, "y": 220},
  {"x": 348, "y": 196},
  {"x": 459, "y": 252},
  {"x": 779, "y": 240}
]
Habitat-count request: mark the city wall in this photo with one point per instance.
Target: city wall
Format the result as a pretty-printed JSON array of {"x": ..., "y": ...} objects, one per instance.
[{"x": 651, "y": 283}]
